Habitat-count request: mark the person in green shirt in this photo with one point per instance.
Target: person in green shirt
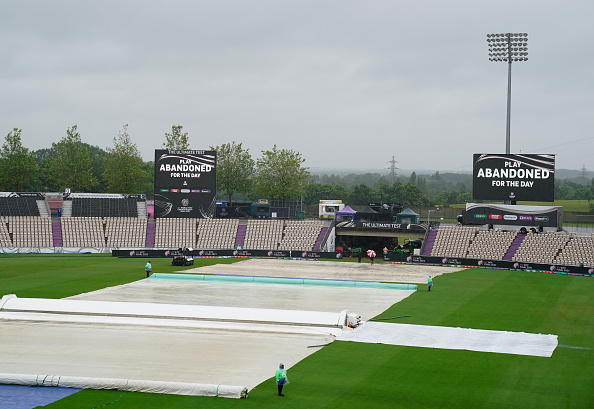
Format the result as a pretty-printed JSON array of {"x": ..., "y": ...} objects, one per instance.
[
  {"x": 281, "y": 378},
  {"x": 430, "y": 283},
  {"x": 148, "y": 268}
]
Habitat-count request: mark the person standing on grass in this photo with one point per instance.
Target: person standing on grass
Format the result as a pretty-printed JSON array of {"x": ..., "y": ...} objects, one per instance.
[
  {"x": 148, "y": 268},
  {"x": 281, "y": 379},
  {"x": 429, "y": 283}
]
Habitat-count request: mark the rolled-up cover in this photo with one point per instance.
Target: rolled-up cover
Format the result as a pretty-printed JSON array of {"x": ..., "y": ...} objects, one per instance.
[
  {"x": 132, "y": 385},
  {"x": 283, "y": 280},
  {"x": 117, "y": 309}
]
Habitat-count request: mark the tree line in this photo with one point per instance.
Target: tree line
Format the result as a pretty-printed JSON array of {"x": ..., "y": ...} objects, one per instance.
[
  {"x": 70, "y": 163},
  {"x": 277, "y": 174}
]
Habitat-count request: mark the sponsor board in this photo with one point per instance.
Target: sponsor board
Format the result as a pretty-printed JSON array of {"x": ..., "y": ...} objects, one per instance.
[
  {"x": 495, "y": 264},
  {"x": 513, "y": 215},
  {"x": 210, "y": 253},
  {"x": 385, "y": 225}
]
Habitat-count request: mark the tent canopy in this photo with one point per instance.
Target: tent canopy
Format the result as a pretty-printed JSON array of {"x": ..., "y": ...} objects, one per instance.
[
  {"x": 408, "y": 216},
  {"x": 347, "y": 213},
  {"x": 367, "y": 214}
]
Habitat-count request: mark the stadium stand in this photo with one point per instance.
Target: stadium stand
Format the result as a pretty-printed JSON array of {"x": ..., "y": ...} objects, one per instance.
[
  {"x": 125, "y": 231},
  {"x": 30, "y": 231},
  {"x": 54, "y": 202},
  {"x": 175, "y": 233},
  {"x": 5, "y": 240},
  {"x": 541, "y": 247},
  {"x": 490, "y": 244},
  {"x": 120, "y": 221},
  {"x": 300, "y": 235},
  {"x": 453, "y": 241},
  {"x": 91, "y": 205},
  {"x": 549, "y": 248},
  {"x": 217, "y": 233},
  {"x": 83, "y": 232},
  {"x": 578, "y": 250},
  {"x": 19, "y": 206},
  {"x": 262, "y": 234}
]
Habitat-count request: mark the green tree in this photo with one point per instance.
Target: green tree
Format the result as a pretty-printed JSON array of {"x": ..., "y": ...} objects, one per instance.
[
  {"x": 280, "y": 174},
  {"x": 43, "y": 182},
  {"x": 17, "y": 166},
  {"x": 412, "y": 195},
  {"x": 314, "y": 192},
  {"x": 422, "y": 184},
  {"x": 363, "y": 195},
  {"x": 72, "y": 166},
  {"x": 124, "y": 168},
  {"x": 176, "y": 140},
  {"x": 149, "y": 178},
  {"x": 235, "y": 169},
  {"x": 581, "y": 193},
  {"x": 98, "y": 161}
]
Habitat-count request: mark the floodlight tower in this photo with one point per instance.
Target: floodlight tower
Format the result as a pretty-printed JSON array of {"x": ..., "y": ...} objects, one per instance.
[{"x": 508, "y": 47}]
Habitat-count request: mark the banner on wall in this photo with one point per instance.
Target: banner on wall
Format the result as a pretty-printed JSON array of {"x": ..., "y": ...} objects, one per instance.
[
  {"x": 198, "y": 253},
  {"x": 495, "y": 264},
  {"x": 513, "y": 215}
]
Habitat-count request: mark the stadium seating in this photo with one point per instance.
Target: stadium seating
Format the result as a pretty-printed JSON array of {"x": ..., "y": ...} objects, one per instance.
[
  {"x": 490, "y": 244},
  {"x": 30, "y": 231},
  {"x": 5, "y": 240},
  {"x": 83, "y": 232},
  {"x": 263, "y": 234},
  {"x": 18, "y": 206},
  {"x": 175, "y": 233},
  {"x": 578, "y": 250},
  {"x": 125, "y": 231},
  {"x": 453, "y": 241},
  {"x": 549, "y": 248},
  {"x": 300, "y": 235},
  {"x": 217, "y": 233},
  {"x": 120, "y": 221},
  {"x": 541, "y": 247},
  {"x": 104, "y": 207}
]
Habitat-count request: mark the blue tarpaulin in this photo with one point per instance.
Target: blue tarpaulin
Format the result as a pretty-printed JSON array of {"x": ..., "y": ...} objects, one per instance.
[{"x": 29, "y": 397}]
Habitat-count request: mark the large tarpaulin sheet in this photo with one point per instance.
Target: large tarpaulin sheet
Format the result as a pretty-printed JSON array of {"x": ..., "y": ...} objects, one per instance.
[
  {"x": 428, "y": 336},
  {"x": 209, "y": 352}
]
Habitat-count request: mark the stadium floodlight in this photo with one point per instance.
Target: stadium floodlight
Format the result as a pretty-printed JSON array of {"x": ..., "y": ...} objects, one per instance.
[
  {"x": 429, "y": 216},
  {"x": 508, "y": 47}
]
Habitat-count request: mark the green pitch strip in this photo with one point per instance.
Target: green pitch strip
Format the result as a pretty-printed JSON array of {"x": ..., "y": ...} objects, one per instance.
[{"x": 281, "y": 280}]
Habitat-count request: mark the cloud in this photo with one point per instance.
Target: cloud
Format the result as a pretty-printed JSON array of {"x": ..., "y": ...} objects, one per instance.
[{"x": 348, "y": 84}]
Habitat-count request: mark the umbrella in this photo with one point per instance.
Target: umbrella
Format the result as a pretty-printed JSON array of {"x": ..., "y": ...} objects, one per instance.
[{"x": 371, "y": 253}]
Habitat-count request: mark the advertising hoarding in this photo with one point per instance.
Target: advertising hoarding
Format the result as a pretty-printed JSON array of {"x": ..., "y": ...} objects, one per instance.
[{"x": 512, "y": 215}]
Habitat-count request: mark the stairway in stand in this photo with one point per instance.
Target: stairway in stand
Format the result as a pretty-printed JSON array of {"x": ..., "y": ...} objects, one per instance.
[
  {"x": 150, "y": 233},
  {"x": 57, "y": 233},
  {"x": 241, "y": 231},
  {"x": 430, "y": 242},
  {"x": 320, "y": 239},
  {"x": 511, "y": 252}
]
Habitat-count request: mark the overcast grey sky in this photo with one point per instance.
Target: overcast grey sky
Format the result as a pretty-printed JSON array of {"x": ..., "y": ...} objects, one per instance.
[{"x": 349, "y": 84}]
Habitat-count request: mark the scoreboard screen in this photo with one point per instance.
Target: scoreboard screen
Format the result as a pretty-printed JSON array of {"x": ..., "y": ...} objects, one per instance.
[
  {"x": 513, "y": 177},
  {"x": 185, "y": 183}
]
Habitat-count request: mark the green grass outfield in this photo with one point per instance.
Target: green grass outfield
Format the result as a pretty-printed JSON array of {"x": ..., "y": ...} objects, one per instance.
[{"x": 355, "y": 375}]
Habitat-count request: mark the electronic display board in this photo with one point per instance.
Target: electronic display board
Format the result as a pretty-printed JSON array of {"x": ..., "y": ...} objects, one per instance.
[
  {"x": 526, "y": 177},
  {"x": 185, "y": 183}
]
